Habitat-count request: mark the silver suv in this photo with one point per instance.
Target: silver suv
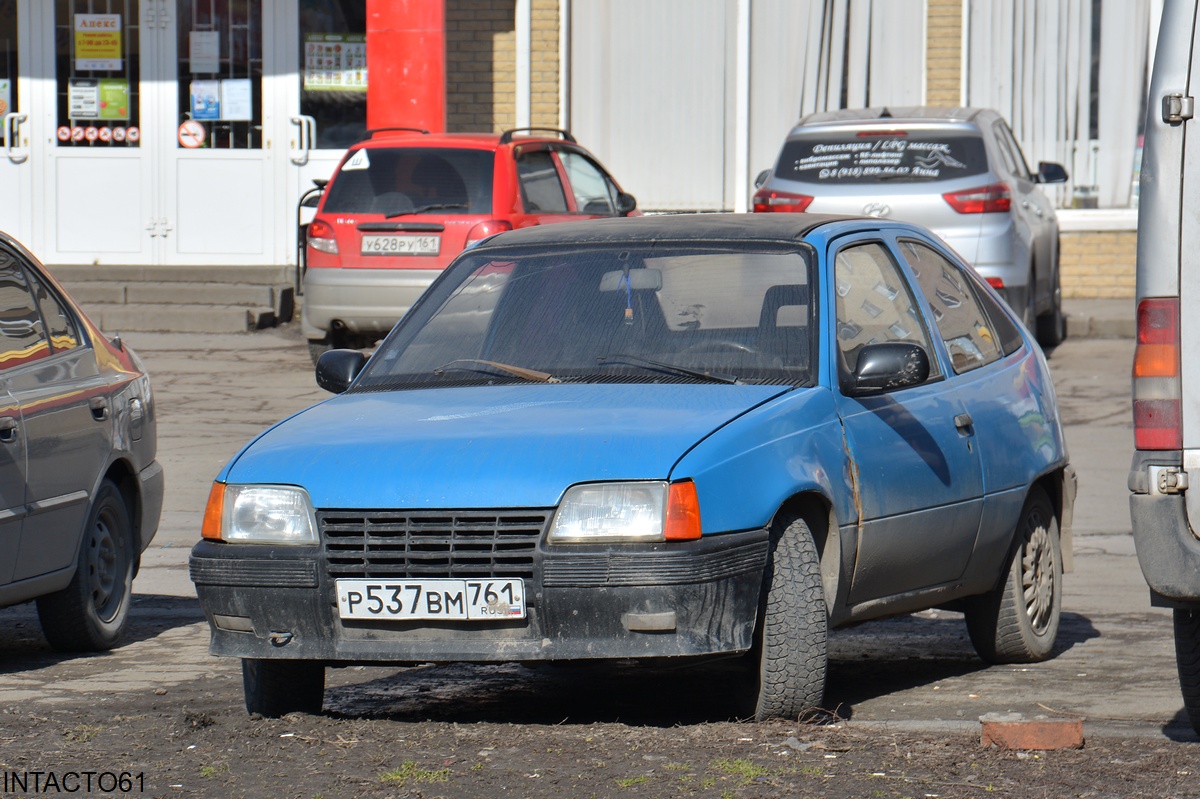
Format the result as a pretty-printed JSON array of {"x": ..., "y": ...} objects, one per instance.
[{"x": 957, "y": 171}]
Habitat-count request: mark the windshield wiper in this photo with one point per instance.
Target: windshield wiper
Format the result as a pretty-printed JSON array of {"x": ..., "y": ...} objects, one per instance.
[
  {"x": 423, "y": 208},
  {"x": 495, "y": 367},
  {"x": 638, "y": 360}
]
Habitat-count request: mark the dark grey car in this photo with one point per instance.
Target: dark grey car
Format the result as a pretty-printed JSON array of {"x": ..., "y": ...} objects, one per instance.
[
  {"x": 957, "y": 171},
  {"x": 80, "y": 489}
]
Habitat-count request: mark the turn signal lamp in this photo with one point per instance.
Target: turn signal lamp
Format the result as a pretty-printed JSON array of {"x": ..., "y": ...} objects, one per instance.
[
  {"x": 683, "y": 512},
  {"x": 982, "y": 200},
  {"x": 1157, "y": 389},
  {"x": 211, "y": 526},
  {"x": 770, "y": 201}
]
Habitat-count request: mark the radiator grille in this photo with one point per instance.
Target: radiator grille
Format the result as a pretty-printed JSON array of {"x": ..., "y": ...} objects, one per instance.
[{"x": 368, "y": 544}]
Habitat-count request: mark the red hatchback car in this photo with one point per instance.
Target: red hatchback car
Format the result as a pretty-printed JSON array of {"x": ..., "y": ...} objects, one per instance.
[{"x": 404, "y": 202}]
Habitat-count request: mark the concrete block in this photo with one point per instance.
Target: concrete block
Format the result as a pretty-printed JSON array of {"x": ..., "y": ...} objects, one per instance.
[{"x": 1014, "y": 731}]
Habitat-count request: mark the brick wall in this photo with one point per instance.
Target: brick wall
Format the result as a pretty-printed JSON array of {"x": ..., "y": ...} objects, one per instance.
[
  {"x": 943, "y": 52},
  {"x": 481, "y": 64},
  {"x": 1098, "y": 264}
]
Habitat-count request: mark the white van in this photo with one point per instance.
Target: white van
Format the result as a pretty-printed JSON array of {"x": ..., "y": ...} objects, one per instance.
[{"x": 1166, "y": 375}]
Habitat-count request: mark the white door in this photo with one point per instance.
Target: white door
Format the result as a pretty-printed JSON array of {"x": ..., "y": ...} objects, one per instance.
[
  {"x": 16, "y": 166},
  {"x": 322, "y": 92}
]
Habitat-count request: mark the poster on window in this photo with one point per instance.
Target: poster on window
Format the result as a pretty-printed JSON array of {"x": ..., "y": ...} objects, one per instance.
[
  {"x": 114, "y": 98},
  {"x": 236, "y": 99},
  {"x": 204, "y": 51},
  {"x": 206, "y": 99},
  {"x": 335, "y": 62},
  {"x": 98, "y": 41},
  {"x": 83, "y": 98},
  {"x": 5, "y": 95}
]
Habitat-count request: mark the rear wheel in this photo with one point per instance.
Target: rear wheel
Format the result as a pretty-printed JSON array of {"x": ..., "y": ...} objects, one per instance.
[
  {"x": 1052, "y": 326},
  {"x": 91, "y": 612},
  {"x": 274, "y": 688},
  {"x": 1017, "y": 622},
  {"x": 1187, "y": 658},
  {"x": 787, "y": 666}
]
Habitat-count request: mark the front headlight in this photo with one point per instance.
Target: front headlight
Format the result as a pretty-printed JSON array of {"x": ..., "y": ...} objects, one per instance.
[
  {"x": 258, "y": 514},
  {"x": 599, "y": 512}
]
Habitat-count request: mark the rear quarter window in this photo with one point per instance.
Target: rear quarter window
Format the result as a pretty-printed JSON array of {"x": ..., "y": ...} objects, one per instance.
[{"x": 893, "y": 156}]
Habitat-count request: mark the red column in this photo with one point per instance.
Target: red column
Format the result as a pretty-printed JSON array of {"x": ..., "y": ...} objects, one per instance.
[{"x": 406, "y": 62}]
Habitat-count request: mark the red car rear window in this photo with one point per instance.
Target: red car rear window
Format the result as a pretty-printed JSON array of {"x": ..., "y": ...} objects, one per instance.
[{"x": 436, "y": 181}]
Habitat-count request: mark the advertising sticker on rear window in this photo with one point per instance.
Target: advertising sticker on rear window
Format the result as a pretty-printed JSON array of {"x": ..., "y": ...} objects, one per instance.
[{"x": 847, "y": 158}]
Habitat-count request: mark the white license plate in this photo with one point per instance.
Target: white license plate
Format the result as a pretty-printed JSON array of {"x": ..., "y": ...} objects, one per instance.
[
  {"x": 401, "y": 245},
  {"x": 403, "y": 599}
]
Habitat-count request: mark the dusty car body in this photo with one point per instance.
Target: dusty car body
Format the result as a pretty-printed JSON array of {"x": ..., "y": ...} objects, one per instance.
[
  {"x": 673, "y": 438},
  {"x": 80, "y": 488}
]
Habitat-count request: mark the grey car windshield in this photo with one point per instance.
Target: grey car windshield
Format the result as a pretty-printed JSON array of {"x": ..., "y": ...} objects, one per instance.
[
  {"x": 609, "y": 314},
  {"x": 882, "y": 155}
]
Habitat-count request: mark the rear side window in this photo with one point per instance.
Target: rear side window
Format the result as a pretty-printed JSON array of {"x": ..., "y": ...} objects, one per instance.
[
  {"x": 870, "y": 157},
  {"x": 541, "y": 189},
  {"x": 396, "y": 181},
  {"x": 22, "y": 335}
]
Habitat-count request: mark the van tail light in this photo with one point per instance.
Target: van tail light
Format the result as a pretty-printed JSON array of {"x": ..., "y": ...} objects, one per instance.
[
  {"x": 321, "y": 238},
  {"x": 1157, "y": 388},
  {"x": 488, "y": 228},
  {"x": 769, "y": 201},
  {"x": 982, "y": 200}
]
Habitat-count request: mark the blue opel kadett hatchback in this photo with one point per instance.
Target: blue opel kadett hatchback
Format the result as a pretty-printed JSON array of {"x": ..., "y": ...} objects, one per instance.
[{"x": 670, "y": 437}]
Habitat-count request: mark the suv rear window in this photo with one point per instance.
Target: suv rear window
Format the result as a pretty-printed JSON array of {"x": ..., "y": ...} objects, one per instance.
[
  {"x": 394, "y": 181},
  {"x": 872, "y": 156}
]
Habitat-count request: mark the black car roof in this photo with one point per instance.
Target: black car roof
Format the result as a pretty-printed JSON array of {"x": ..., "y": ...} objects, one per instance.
[{"x": 669, "y": 227}]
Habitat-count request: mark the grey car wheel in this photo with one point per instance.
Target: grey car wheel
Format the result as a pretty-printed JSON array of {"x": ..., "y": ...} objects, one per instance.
[
  {"x": 1187, "y": 659},
  {"x": 1017, "y": 622},
  {"x": 787, "y": 666},
  {"x": 91, "y": 612},
  {"x": 274, "y": 688}
]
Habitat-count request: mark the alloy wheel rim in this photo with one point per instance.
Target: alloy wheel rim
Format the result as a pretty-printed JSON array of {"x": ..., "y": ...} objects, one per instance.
[{"x": 1037, "y": 576}]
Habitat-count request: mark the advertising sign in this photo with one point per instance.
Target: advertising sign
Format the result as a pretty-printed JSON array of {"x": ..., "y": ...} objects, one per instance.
[
  {"x": 5, "y": 95},
  {"x": 97, "y": 41},
  {"x": 335, "y": 62},
  {"x": 114, "y": 98},
  {"x": 206, "y": 99}
]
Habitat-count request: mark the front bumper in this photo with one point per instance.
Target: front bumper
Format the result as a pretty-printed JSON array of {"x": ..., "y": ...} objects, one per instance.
[
  {"x": 361, "y": 300},
  {"x": 660, "y": 600}
]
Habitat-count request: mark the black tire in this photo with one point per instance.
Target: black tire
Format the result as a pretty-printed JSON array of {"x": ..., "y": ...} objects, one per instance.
[
  {"x": 787, "y": 665},
  {"x": 1017, "y": 622},
  {"x": 1187, "y": 659},
  {"x": 274, "y": 688},
  {"x": 318, "y": 347},
  {"x": 90, "y": 614},
  {"x": 1052, "y": 326}
]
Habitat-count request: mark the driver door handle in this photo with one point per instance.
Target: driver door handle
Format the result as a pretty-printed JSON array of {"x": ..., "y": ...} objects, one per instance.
[
  {"x": 8, "y": 429},
  {"x": 99, "y": 406},
  {"x": 963, "y": 422}
]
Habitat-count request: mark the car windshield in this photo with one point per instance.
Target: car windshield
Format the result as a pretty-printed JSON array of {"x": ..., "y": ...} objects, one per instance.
[
  {"x": 397, "y": 181},
  {"x": 660, "y": 313},
  {"x": 871, "y": 156}
]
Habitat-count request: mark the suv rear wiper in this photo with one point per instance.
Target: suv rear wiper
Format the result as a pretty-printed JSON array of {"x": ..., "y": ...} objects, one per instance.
[
  {"x": 423, "y": 208},
  {"x": 495, "y": 367},
  {"x": 638, "y": 360}
]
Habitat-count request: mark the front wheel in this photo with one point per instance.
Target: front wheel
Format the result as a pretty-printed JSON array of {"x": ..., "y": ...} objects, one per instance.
[
  {"x": 787, "y": 665},
  {"x": 275, "y": 688},
  {"x": 90, "y": 614},
  {"x": 1017, "y": 622},
  {"x": 1187, "y": 659}
]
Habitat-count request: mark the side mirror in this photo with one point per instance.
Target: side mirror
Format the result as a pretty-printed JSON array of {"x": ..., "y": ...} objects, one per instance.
[
  {"x": 626, "y": 203},
  {"x": 761, "y": 178},
  {"x": 1050, "y": 172},
  {"x": 888, "y": 366},
  {"x": 337, "y": 369}
]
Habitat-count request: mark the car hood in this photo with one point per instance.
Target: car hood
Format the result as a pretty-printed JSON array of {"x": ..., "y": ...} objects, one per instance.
[{"x": 494, "y": 446}]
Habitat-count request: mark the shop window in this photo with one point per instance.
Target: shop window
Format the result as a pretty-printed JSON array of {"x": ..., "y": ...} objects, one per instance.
[
  {"x": 333, "y": 70},
  {"x": 220, "y": 74},
  {"x": 97, "y": 51}
]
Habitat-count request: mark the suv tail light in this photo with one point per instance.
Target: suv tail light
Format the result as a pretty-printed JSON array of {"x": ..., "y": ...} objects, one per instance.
[
  {"x": 996, "y": 282},
  {"x": 320, "y": 237},
  {"x": 1157, "y": 389},
  {"x": 981, "y": 200},
  {"x": 768, "y": 201},
  {"x": 485, "y": 229}
]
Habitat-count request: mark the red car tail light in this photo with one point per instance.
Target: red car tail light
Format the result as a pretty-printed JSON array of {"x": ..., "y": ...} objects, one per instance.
[
  {"x": 488, "y": 228},
  {"x": 1157, "y": 389},
  {"x": 768, "y": 201},
  {"x": 321, "y": 238},
  {"x": 982, "y": 200}
]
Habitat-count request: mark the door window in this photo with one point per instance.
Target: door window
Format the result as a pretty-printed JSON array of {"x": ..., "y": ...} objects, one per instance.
[
  {"x": 22, "y": 335},
  {"x": 970, "y": 337},
  {"x": 333, "y": 69},
  {"x": 594, "y": 192},
  {"x": 219, "y": 74},
  {"x": 874, "y": 304},
  {"x": 97, "y": 61},
  {"x": 541, "y": 188},
  {"x": 1007, "y": 142},
  {"x": 8, "y": 62}
]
